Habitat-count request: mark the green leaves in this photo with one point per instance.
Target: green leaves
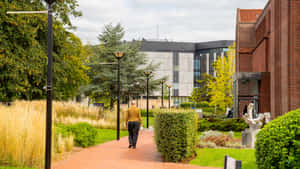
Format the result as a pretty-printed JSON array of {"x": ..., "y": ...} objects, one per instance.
[
  {"x": 85, "y": 134},
  {"x": 23, "y": 52},
  {"x": 277, "y": 144},
  {"x": 175, "y": 134}
]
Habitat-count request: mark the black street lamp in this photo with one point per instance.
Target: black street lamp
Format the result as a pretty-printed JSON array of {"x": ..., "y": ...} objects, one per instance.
[
  {"x": 148, "y": 76},
  {"x": 118, "y": 56},
  {"x": 169, "y": 86},
  {"x": 162, "y": 93},
  {"x": 49, "y": 86}
]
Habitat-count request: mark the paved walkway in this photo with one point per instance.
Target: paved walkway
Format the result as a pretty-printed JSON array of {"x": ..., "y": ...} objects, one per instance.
[{"x": 116, "y": 155}]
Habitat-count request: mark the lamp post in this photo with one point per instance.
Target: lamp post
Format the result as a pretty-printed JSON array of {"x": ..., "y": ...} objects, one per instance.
[
  {"x": 162, "y": 93},
  {"x": 148, "y": 76},
  {"x": 49, "y": 86},
  {"x": 169, "y": 86},
  {"x": 118, "y": 56}
]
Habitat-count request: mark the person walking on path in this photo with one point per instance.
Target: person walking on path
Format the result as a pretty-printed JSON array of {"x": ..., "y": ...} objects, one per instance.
[{"x": 133, "y": 123}]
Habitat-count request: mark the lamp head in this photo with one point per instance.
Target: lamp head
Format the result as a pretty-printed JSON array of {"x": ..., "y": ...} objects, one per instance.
[
  {"x": 162, "y": 81},
  {"x": 169, "y": 86},
  {"x": 148, "y": 73},
  {"x": 50, "y": 1},
  {"x": 119, "y": 55}
]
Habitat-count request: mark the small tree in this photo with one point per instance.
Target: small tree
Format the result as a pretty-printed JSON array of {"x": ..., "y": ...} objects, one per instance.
[
  {"x": 221, "y": 86},
  {"x": 201, "y": 94}
]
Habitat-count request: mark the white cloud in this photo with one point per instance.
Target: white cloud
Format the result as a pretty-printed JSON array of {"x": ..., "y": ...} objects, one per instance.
[{"x": 180, "y": 20}]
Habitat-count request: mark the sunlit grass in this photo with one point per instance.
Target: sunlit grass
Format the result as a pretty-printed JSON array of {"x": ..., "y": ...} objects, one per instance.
[
  {"x": 106, "y": 135},
  {"x": 215, "y": 157}
]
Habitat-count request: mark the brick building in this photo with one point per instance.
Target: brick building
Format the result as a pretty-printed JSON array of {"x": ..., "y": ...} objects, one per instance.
[{"x": 268, "y": 58}]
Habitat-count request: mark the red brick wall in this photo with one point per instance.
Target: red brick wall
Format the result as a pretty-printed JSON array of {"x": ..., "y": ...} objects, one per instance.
[
  {"x": 294, "y": 60},
  {"x": 259, "y": 58},
  {"x": 264, "y": 93},
  {"x": 245, "y": 63}
]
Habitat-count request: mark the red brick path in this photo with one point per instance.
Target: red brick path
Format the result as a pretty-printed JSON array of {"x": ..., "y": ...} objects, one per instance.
[{"x": 116, "y": 155}]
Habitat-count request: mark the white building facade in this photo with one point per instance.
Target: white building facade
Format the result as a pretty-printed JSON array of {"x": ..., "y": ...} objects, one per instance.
[{"x": 183, "y": 63}]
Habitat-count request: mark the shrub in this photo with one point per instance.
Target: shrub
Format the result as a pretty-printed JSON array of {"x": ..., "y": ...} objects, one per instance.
[
  {"x": 216, "y": 137},
  {"x": 84, "y": 134},
  {"x": 205, "y": 144},
  {"x": 203, "y": 105},
  {"x": 278, "y": 143},
  {"x": 175, "y": 134},
  {"x": 222, "y": 124},
  {"x": 144, "y": 113},
  {"x": 188, "y": 105}
]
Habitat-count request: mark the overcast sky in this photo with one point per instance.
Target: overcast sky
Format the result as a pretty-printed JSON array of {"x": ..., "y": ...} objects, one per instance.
[{"x": 177, "y": 20}]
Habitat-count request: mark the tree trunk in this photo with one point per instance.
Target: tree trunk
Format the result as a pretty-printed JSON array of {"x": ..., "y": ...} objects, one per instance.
[{"x": 111, "y": 103}]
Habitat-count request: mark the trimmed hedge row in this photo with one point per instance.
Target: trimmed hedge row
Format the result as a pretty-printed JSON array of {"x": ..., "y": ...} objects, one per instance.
[
  {"x": 203, "y": 105},
  {"x": 278, "y": 143},
  {"x": 175, "y": 134},
  {"x": 222, "y": 124},
  {"x": 187, "y": 105}
]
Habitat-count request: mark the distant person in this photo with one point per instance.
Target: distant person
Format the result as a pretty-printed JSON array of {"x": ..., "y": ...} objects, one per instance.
[
  {"x": 133, "y": 123},
  {"x": 230, "y": 114}
]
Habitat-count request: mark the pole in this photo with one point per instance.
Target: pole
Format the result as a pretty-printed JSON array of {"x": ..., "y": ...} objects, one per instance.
[
  {"x": 162, "y": 95},
  {"x": 49, "y": 90},
  {"x": 147, "y": 101},
  {"x": 169, "y": 97},
  {"x": 118, "y": 106}
]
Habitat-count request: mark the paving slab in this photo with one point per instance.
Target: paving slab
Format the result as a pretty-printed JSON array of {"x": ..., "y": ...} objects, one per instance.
[{"x": 117, "y": 155}]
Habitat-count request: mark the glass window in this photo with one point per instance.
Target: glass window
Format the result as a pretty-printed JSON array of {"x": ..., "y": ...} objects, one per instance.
[
  {"x": 176, "y": 59},
  {"x": 175, "y": 92},
  {"x": 176, "y": 77}
]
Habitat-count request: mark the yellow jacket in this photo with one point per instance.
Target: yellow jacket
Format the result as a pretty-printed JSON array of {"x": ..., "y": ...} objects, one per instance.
[{"x": 133, "y": 114}]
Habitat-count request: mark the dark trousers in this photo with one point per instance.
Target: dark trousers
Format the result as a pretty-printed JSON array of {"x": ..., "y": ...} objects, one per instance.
[{"x": 133, "y": 129}]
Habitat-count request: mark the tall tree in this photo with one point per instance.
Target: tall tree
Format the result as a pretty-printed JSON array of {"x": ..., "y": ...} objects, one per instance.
[
  {"x": 23, "y": 51},
  {"x": 133, "y": 65},
  {"x": 221, "y": 86}
]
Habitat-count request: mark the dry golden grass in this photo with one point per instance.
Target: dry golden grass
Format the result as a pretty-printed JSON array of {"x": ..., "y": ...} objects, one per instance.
[
  {"x": 75, "y": 110},
  {"x": 22, "y": 129},
  {"x": 69, "y": 143},
  {"x": 72, "y": 113},
  {"x": 22, "y": 133}
]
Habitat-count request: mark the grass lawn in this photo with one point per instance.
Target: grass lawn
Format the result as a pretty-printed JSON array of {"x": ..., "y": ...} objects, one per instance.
[
  {"x": 151, "y": 121},
  {"x": 215, "y": 157},
  {"x": 2, "y": 167},
  {"x": 106, "y": 135}
]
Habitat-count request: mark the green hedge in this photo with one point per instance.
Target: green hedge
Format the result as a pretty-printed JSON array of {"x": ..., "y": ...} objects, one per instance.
[
  {"x": 278, "y": 143},
  {"x": 203, "y": 105},
  {"x": 175, "y": 134},
  {"x": 222, "y": 124},
  {"x": 188, "y": 105},
  {"x": 84, "y": 134},
  {"x": 144, "y": 113}
]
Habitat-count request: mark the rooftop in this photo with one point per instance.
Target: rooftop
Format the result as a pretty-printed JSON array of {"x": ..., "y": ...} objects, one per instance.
[{"x": 167, "y": 46}]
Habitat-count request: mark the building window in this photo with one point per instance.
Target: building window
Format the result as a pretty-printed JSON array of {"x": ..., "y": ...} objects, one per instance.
[
  {"x": 175, "y": 59},
  {"x": 176, "y": 77},
  {"x": 175, "y": 92}
]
